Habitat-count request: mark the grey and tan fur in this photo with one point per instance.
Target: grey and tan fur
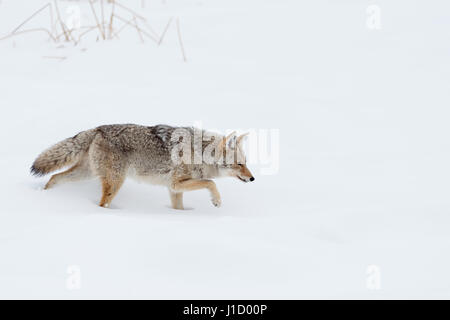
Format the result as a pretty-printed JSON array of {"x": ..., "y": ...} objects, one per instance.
[{"x": 113, "y": 152}]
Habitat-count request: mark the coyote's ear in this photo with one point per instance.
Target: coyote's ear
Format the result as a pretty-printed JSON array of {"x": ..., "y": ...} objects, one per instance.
[
  {"x": 230, "y": 135},
  {"x": 240, "y": 139},
  {"x": 231, "y": 139},
  {"x": 223, "y": 142}
]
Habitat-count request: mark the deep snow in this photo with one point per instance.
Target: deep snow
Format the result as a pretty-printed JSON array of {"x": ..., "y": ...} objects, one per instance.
[{"x": 364, "y": 153}]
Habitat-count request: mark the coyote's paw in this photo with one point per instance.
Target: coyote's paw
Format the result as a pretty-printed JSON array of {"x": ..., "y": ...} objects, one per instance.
[
  {"x": 216, "y": 202},
  {"x": 47, "y": 186}
]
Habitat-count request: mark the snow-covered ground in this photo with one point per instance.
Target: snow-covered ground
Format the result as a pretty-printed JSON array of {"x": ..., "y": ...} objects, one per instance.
[{"x": 359, "y": 207}]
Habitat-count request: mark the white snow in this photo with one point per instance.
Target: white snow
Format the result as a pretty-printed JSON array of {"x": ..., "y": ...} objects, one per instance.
[{"x": 364, "y": 153}]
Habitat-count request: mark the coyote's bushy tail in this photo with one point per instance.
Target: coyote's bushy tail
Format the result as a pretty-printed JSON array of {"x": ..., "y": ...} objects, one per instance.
[{"x": 63, "y": 153}]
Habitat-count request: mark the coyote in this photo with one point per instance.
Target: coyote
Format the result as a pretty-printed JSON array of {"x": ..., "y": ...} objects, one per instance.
[{"x": 151, "y": 154}]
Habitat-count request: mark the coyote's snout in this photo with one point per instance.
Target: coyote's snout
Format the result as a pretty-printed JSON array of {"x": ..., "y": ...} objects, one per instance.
[{"x": 160, "y": 154}]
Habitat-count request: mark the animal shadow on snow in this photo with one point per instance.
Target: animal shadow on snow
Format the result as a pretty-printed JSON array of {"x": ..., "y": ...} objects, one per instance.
[{"x": 132, "y": 197}]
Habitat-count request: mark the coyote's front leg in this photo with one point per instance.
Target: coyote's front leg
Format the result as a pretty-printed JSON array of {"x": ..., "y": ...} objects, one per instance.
[
  {"x": 177, "y": 199},
  {"x": 197, "y": 184}
]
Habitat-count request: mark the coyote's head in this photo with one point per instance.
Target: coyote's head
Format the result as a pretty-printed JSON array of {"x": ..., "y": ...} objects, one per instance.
[{"x": 233, "y": 162}]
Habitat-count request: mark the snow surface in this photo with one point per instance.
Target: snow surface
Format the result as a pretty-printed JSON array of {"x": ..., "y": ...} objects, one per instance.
[{"x": 364, "y": 152}]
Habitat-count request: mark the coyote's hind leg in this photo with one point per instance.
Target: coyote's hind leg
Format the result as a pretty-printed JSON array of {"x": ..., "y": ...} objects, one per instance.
[
  {"x": 78, "y": 172},
  {"x": 110, "y": 187},
  {"x": 177, "y": 199},
  {"x": 109, "y": 164}
]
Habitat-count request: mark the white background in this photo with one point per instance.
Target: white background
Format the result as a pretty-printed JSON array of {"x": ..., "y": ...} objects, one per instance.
[{"x": 364, "y": 153}]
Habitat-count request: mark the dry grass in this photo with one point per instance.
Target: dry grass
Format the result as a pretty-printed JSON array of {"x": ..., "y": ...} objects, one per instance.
[
  {"x": 180, "y": 40},
  {"x": 111, "y": 18}
]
